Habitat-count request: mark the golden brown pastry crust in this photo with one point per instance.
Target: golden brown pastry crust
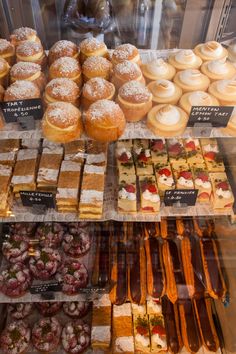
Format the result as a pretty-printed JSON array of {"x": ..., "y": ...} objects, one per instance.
[
  {"x": 92, "y": 47},
  {"x": 104, "y": 121},
  {"x": 96, "y": 89},
  {"x": 187, "y": 265},
  {"x": 7, "y": 51},
  {"x": 185, "y": 104},
  {"x": 63, "y": 48},
  {"x": 62, "y": 89},
  {"x": 159, "y": 90},
  {"x": 22, "y": 34},
  {"x": 1, "y": 93},
  {"x": 31, "y": 51},
  {"x": 96, "y": 67},
  {"x": 28, "y": 71},
  {"x": 126, "y": 71},
  {"x": 66, "y": 67},
  {"x": 227, "y": 98},
  {"x": 21, "y": 90},
  {"x": 4, "y": 72},
  {"x": 126, "y": 52},
  {"x": 202, "y": 85},
  {"x": 171, "y": 288}
]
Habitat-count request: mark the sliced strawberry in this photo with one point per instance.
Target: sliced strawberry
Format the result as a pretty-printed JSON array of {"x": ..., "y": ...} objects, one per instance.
[
  {"x": 223, "y": 185},
  {"x": 123, "y": 157},
  {"x": 191, "y": 145},
  {"x": 203, "y": 176},
  {"x": 148, "y": 208},
  {"x": 175, "y": 148},
  {"x": 130, "y": 188},
  {"x": 142, "y": 157},
  {"x": 152, "y": 188},
  {"x": 142, "y": 330},
  {"x": 158, "y": 145},
  {"x": 203, "y": 195},
  {"x": 164, "y": 171},
  {"x": 210, "y": 155},
  {"x": 228, "y": 205},
  {"x": 185, "y": 174},
  {"x": 158, "y": 330}
]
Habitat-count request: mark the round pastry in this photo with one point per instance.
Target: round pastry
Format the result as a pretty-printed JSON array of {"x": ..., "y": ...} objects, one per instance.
[
  {"x": 76, "y": 337},
  {"x": 91, "y": 47},
  {"x": 76, "y": 309},
  {"x": 63, "y": 48},
  {"x": 22, "y": 230},
  {"x": 126, "y": 52},
  {"x": 2, "y": 91},
  {"x": 73, "y": 276},
  {"x": 185, "y": 59},
  {"x": 46, "y": 334},
  {"x": 191, "y": 80},
  {"x": 231, "y": 126},
  {"x": 20, "y": 310},
  {"x": 15, "y": 280},
  {"x": 232, "y": 51},
  {"x": 62, "y": 89},
  {"x": 62, "y": 122},
  {"x": 126, "y": 71},
  {"x": 45, "y": 263},
  {"x": 135, "y": 100},
  {"x": 164, "y": 91},
  {"x": 224, "y": 91},
  {"x": 66, "y": 67},
  {"x": 218, "y": 69},
  {"x": 50, "y": 234},
  {"x": 15, "y": 338},
  {"x": 15, "y": 250},
  {"x": 96, "y": 89},
  {"x": 158, "y": 69},
  {"x": 104, "y": 121},
  {"x": 76, "y": 245},
  {"x": 197, "y": 98},
  {"x": 47, "y": 309},
  {"x": 23, "y": 34},
  {"x": 7, "y": 51},
  {"x": 167, "y": 120},
  {"x": 21, "y": 90},
  {"x": 96, "y": 67},
  {"x": 32, "y": 52},
  {"x": 4, "y": 72},
  {"x": 210, "y": 51},
  {"x": 28, "y": 71}
]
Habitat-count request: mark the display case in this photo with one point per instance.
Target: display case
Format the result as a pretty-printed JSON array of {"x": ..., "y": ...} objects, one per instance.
[{"x": 117, "y": 176}]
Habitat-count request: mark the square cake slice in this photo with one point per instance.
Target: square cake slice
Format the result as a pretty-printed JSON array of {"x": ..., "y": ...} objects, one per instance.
[
  {"x": 202, "y": 182},
  {"x": 123, "y": 340},
  {"x": 127, "y": 194},
  {"x": 193, "y": 151},
  {"x": 75, "y": 151},
  {"x": 158, "y": 333},
  {"x": 143, "y": 160},
  {"x": 125, "y": 163},
  {"x": 164, "y": 177},
  {"x": 176, "y": 151},
  {"x": 49, "y": 167},
  {"x": 158, "y": 151},
  {"x": 183, "y": 177},
  {"x": 150, "y": 199},
  {"x": 141, "y": 334},
  {"x": 222, "y": 197},
  {"x": 212, "y": 156}
]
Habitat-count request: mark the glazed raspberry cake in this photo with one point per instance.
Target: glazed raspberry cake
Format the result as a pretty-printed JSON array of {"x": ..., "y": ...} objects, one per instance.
[
  {"x": 141, "y": 334},
  {"x": 212, "y": 156},
  {"x": 143, "y": 161},
  {"x": 15, "y": 338},
  {"x": 45, "y": 263},
  {"x": 150, "y": 199},
  {"x": 164, "y": 177},
  {"x": 20, "y": 310},
  {"x": 15, "y": 249},
  {"x": 158, "y": 333},
  {"x": 50, "y": 234},
  {"x": 48, "y": 308},
  {"x": 183, "y": 177},
  {"x": 76, "y": 309},
  {"x": 76, "y": 337},
  {"x": 77, "y": 244},
  {"x": 73, "y": 276},
  {"x": 15, "y": 280},
  {"x": 46, "y": 334}
]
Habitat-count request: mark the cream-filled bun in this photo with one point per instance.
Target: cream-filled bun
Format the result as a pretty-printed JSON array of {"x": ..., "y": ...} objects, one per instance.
[
  {"x": 224, "y": 91},
  {"x": 126, "y": 71},
  {"x": 191, "y": 80},
  {"x": 31, "y": 51},
  {"x": 220, "y": 69},
  {"x": 21, "y": 90},
  {"x": 197, "y": 98},
  {"x": 24, "y": 70},
  {"x": 62, "y": 122},
  {"x": 167, "y": 120},
  {"x": 185, "y": 59},
  {"x": 23, "y": 34},
  {"x": 62, "y": 89},
  {"x": 96, "y": 89},
  {"x": 4, "y": 72},
  {"x": 63, "y": 48},
  {"x": 126, "y": 52},
  {"x": 164, "y": 91},
  {"x": 7, "y": 51},
  {"x": 210, "y": 51},
  {"x": 158, "y": 69},
  {"x": 91, "y": 47}
]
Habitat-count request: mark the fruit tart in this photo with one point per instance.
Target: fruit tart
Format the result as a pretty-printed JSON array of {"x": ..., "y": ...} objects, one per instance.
[
  {"x": 46, "y": 334},
  {"x": 141, "y": 334},
  {"x": 164, "y": 177},
  {"x": 127, "y": 198},
  {"x": 50, "y": 234},
  {"x": 125, "y": 163},
  {"x": 76, "y": 337},
  {"x": 150, "y": 199},
  {"x": 45, "y": 263},
  {"x": 176, "y": 151},
  {"x": 15, "y": 250},
  {"x": 222, "y": 197},
  {"x": 15, "y": 338},
  {"x": 76, "y": 245},
  {"x": 212, "y": 156},
  {"x": 48, "y": 308},
  {"x": 15, "y": 280},
  {"x": 20, "y": 310},
  {"x": 193, "y": 151},
  {"x": 76, "y": 309},
  {"x": 158, "y": 333},
  {"x": 158, "y": 151},
  {"x": 74, "y": 276},
  {"x": 202, "y": 182}
]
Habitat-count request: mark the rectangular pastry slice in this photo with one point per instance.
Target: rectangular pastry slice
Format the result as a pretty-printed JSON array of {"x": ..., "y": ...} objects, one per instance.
[
  {"x": 149, "y": 195},
  {"x": 49, "y": 167},
  {"x": 164, "y": 177},
  {"x": 183, "y": 177},
  {"x": 101, "y": 337},
  {"x": 127, "y": 195},
  {"x": 7, "y": 145},
  {"x": 142, "y": 158},
  {"x": 212, "y": 155},
  {"x": 75, "y": 151},
  {"x": 138, "y": 309},
  {"x": 96, "y": 153},
  {"x": 125, "y": 163},
  {"x": 5, "y": 177},
  {"x": 141, "y": 334},
  {"x": 202, "y": 182},
  {"x": 158, "y": 333},
  {"x": 193, "y": 151},
  {"x": 158, "y": 151},
  {"x": 124, "y": 144},
  {"x": 123, "y": 340},
  {"x": 140, "y": 143},
  {"x": 176, "y": 151},
  {"x": 8, "y": 158},
  {"x": 154, "y": 307},
  {"x": 101, "y": 323},
  {"x": 222, "y": 197}
]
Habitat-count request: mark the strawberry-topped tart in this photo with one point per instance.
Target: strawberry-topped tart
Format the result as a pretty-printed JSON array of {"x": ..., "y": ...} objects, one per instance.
[
  {"x": 45, "y": 263},
  {"x": 202, "y": 183},
  {"x": 141, "y": 334},
  {"x": 176, "y": 151},
  {"x": 15, "y": 338},
  {"x": 125, "y": 163},
  {"x": 212, "y": 156},
  {"x": 127, "y": 199},
  {"x": 158, "y": 151},
  {"x": 46, "y": 334},
  {"x": 222, "y": 196},
  {"x": 164, "y": 177},
  {"x": 48, "y": 308},
  {"x": 158, "y": 333},
  {"x": 50, "y": 234},
  {"x": 20, "y": 310},
  {"x": 76, "y": 337},
  {"x": 74, "y": 276},
  {"x": 77, "y": 244},
  {"x": 15, "y": 249},
  {"x": 150, "y": 199},
  {"x": 76, "y": 309},
  {"x": 15, "y": 280},
  {"x": 193, "y": 151},
  {"x": 183, "y": 177}
]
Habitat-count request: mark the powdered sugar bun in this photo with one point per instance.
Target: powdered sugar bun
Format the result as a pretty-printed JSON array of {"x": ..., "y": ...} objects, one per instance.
[
  {"x": 63, "y": 48},
  {"x": 4, "y": 72},
  {"x": 104, "y": 121},
  {"x": 21, "y": 90},
  {"x": 96, "y": 89},
  {"x": 22, "y": 34},
  {"x": 28, "y": 71},
  {"x": 96, "y": 67},
  {"x": 126, "y": 71},
  {"x": 62, "y": 89},
  {"x": 31, "y": 51},
  {"x": 66, "y": 67},
  {"x": 92, "y": 47},
  {"x": 7, "y": 51},
  {"x": 210, "y": 51},
  {"x": 126, "y": 52}
]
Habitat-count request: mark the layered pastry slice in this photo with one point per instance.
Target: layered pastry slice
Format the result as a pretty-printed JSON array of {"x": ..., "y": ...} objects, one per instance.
[
  {"x": 202, "y": 182},
  {"x": 141, "y": 334},
  {"x": 5, "y": 177},
  {"x": 149, "y": 195},
  {"x": 154, "y": 306},
  {"x": 193, "y": 151},
  {"x": 183, "y": 177},
  {"x": 164, "y": 177},
  {"x": 68, "y": 186},
  {"x": 138, "y": 309},
  {"x": 176, "y": 151},
  {"x": 123, "y": 340},
  {"x": 127, "y": 195},
  {"x": 49, "y": 167},
  {"x": 7, "y": 158},
  {"x": 158, "y": 151},
  {"x": 96, "y": 153},
  {"x": 158, "y": 333},
  {"x": 92, "y": 190},
  {"x": 23, "y": 178},
  {"x": 75, "y": 151},
  {"x": 101, "y": 323},
  {"x": 142, "y": 158},
  {"x": 125, "y": 163},
  {"x": 212, "y": 156},
  {"x": 222, "y": 197}
]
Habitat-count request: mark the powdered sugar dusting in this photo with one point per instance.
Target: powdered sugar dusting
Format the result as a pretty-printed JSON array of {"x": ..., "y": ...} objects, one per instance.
[
  {"x": 135, "y": 90},
  {"x": 124, "y": 52},
  {"x": 63, "y": 87},
  {"x": 62, "y": 114},
  {"x": 91, "y": 44},
  {"x": 4, "y": 45},
  {"x": 23, "y": 33},
  {"x": 66, "y": 65},
  {"x": 97, "y": 88},
  {"x": 25, "y": 69},
  {"x": 23, "y": 89},
  {"x": 29, "y": 48},
  {"x": 103, "y": 108},
  {"x": 128, "y": 68},
  {"x": 3, "y": 64},
  {"x": 64, "y": 45},
  {"x": 97, "y": 63}
]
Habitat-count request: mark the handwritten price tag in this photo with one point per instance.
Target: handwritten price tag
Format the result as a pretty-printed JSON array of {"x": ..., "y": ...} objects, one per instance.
[
  {"x": 185, "y": 197},
  {"x": 217, "y": 116}
]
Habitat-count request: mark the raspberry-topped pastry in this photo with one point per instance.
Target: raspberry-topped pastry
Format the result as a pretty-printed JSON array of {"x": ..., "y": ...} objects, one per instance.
[
  {"x": 150, "y": 199},
  {"x": 212, "y": 156},
  {"x": 141, "y": 334},
  {"x": 15, "y": 250},
  {"x": 202, "y": 182},
  {"x": 158, "y": 333},
  {"x": 76, "y": 337},
  {"x": 183, "y": 177},
  {"x": 15, "y": 280},
  {"x": 76, "y": 309},
  {"x": 193, "y": 151},
  {"x": 74, "y": 275},
  {"x": 176, "y": 151},
  {"x": 158, "y": 150},
  {"x": 124, "y": 159},
  {"x": 46, "y": 334},
  {"x": 164, "y": 177},
  {"x": 50, "y": 234},
  {"x": 45, "y": 263},
  {"x": 222, "y": 197},
  {"x": 48, "y": 308},
  {"x": 15, "y": 338},
  {"x": 20, "y": 310},
  {"x": 143, "y": 161},
  {"x": 78, "y": 244},
  {"x": 127, "y": 199}
]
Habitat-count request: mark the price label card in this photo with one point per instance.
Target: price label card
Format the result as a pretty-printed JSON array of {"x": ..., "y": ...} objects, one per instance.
[
  {"x": 184, "y": 197},
  {"x": 45, "y": 288},
  {"x": 35, "y": 198},
  {"x": 14, "y": 111},
  {"x": 217, "y": 116}
]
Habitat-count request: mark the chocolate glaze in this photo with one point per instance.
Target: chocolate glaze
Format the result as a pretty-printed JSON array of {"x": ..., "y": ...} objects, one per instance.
[
  {"x": 205, "y": 325},
  {"x": 104, "y": 271},
  {"x": 170, "y": 325},
  {"x": 134, "y": 272},
  {"x": 121, "y": 290},
  {"x": 171, "y": 228},
  {"x": 199, "y": 280},
  {"x": 151, "y": 229},
  {"x": 157, "y": 271},
  {"x": 188, "y": 226},
  {"x": 191, "y": 327}
]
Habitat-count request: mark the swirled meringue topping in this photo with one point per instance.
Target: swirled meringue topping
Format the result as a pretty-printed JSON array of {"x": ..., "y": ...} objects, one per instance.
[
  {"x": 227, "y": 87},
  {"x": 186, "y": 56},
  {"x": 191, "y": 77},
  {"x": 168, "y": 115},
  {"x": 163, "y": 88},
  {"x": 157, "y": 67},
  {"x": 200, "y": 98},
  {"x": 218, "y": 66},
  {"x": 212, "y": 49}
]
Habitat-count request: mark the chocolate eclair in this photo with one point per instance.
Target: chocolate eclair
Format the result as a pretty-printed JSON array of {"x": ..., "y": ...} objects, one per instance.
[
  {"x": 173, "y": 336},
  {"x": 184, "y": 226},
  {"x": 206, "y": 325},
  {"x": 151, "y": 229},
  {"x": 101, "y": 270},
  {"x": 168, "y": 228},
  {"x": 204, "y": 227},
  {"x": 189, "y": 327}
]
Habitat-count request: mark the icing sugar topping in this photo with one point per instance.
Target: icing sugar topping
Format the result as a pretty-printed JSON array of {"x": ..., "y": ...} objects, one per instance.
[
  {"x": 62, "y": 114},
  {"x": 200, "y": 98},
  {"x": 227, "y": 87},
  {"x": 23, "y": 33},
  {"x": 163, "y": 88},
  {"x": 98, "y": 88},
  {"x": 63, "y": 45},
  {"x": 185, "y": 56},
  {"x": 157, "y": 67},
  {"x": 23, "y": 89},
  {"x": 128, "y": 68},
  {"x": 97, "y": 63},
  {"x": 136, "y": 90},
  {"x": 63, "y": 87},
  {"x": 191, "y": 77},
  {"x": 5, "y": 45},
  {"x": 66, "y": 65},
  {"x": 103, "y": 108},
  {"x": 29, "y": 48},
  {"x": 168, "y": 115},
  {"x": 91, "y": 44},
  {"x": 124, "y": 51},
  {"x": 218, "y": 66},
  {"x": 24, "y": 68},
  {"x": 212, "y": 49}
]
